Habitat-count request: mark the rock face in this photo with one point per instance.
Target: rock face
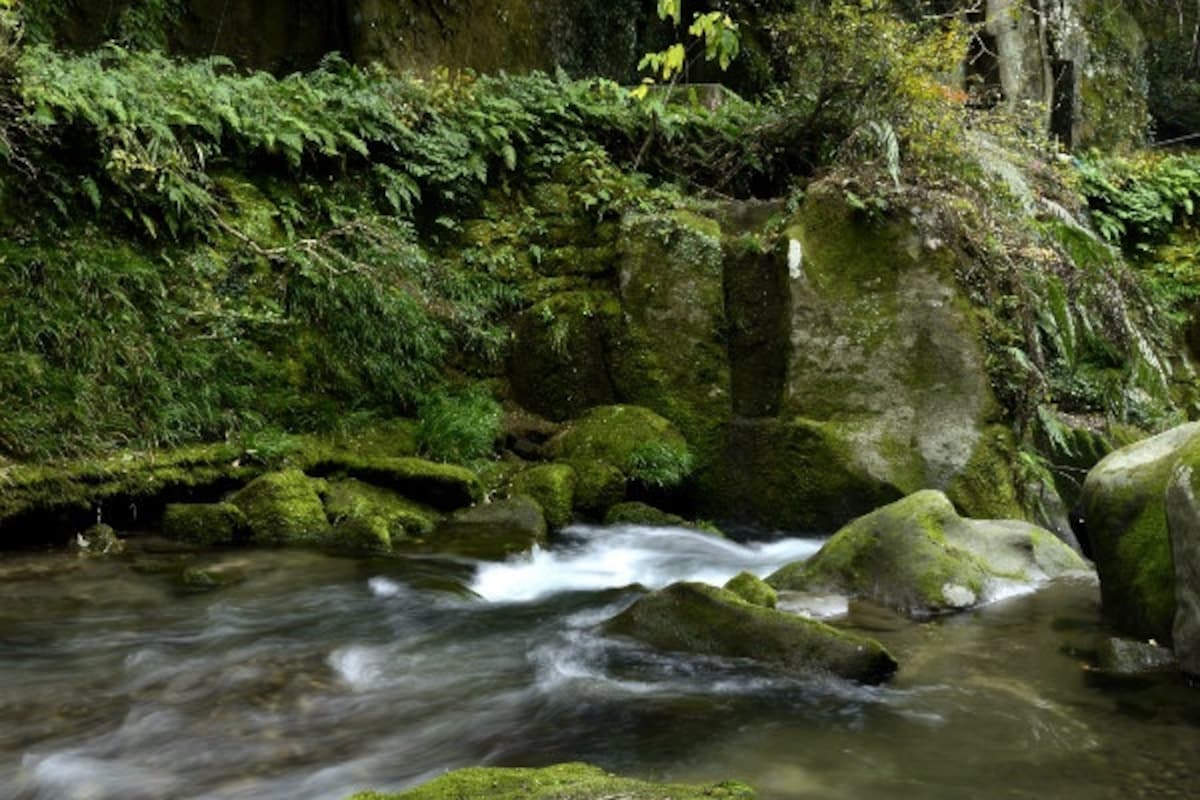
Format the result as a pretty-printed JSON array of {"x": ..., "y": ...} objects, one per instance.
[
  {"x": 574, "y": 781},
  {"x": 704, "y": 620},
  {"x": 919, "y": 557},
  {"x": 1125, "y": 508}
]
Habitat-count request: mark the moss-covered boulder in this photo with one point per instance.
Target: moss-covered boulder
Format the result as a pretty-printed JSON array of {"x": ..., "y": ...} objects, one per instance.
[
  {"x": 443, "y": 486},
  {"x": 366, "y": 517},
  {"x": 1124, "y": 507},
  {"x": 705, "y": 620},
  {"x": 205, "y": 524},
  {"x": 560, "y": 782},
  {"x": 558, "y": 364},
  {"x": 753, "y": 589},
  {"x": 598, "y": 487},
  {"x": 638, "y": 513},
  {"x": 670, "y": 352},
  {"x": 552, "y": 486},
  {"x": 284, "y": 508},
  {"x": 493, "y": 530},
  {"x": 639, "y": 443},
  {"x": 919, "y": 557},
  {"x": 1183, "y": 525}
]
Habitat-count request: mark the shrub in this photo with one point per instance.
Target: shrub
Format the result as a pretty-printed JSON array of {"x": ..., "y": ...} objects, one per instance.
[{"x": 459, "y": 426}]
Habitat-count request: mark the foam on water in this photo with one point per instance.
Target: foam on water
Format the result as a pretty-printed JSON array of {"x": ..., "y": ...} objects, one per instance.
[{"x": 604, "y": 558}]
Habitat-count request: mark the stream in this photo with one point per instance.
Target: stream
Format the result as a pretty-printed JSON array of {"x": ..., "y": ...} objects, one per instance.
[{"x": 311, "y": 676}]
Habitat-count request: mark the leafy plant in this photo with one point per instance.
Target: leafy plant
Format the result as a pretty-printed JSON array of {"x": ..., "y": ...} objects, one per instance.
[
  {"x": 459, "y": 426},
  {"x": 660, "y": 464}
]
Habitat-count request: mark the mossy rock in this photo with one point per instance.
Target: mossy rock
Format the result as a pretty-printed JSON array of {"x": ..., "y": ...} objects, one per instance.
[
  {"x": 98, "y": 541},
  {"x": 670, "y": 352},
  {"x": 212, "y": 577},
  {"x": 919, "y": 557},
  {"x": 284, "y": 508},
  {"x": 366, "y": 517},
  {"x": 598, "y": 487},
  {"x": 700, "y": 619},
  {"x": 558, "y": 363},
  {"x": 552, "y": 486},
  {"x": 492, "y": 531},
  {"x": 443, "y": 486},
  {"x": 753, "y": 589},
  {"x": 1125, "y": 515},
  {"x": 986, "y": 487},
  {"x": 560, "y": 782},
  {"x": 204, "y": 524},
  {"x": 638, "y": 442}
]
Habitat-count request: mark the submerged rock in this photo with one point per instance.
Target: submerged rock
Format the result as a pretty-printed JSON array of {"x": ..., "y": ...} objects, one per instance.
[
  {"x": 552, "y": 486},
  {"x": 99, "y": 540},
  {"x": 1125, "y": 509},
  {"x": 920, "y": 557},
  {"x": 284, "y": 508},
  {"x": 753, "y": 590},
  {"x": 493, "y": 530},
  {"x": 205, "y": 524},
  {"x": 560, "y": 782},
  {"x": 1125, "y": 657},
  {"x": 705, "y": 620}
]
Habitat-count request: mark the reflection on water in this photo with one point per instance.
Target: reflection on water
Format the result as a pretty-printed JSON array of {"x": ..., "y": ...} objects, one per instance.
[{"x": 316, "y": 676}]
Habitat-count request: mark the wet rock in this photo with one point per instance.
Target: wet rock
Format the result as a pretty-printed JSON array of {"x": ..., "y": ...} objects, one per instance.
[
  {"x": 284, "y": 508},
  {"x": 204, "y": 524},
  {"x": 552, "y": 486},
  {"x": 753, "y": 590},
  {"x": 98, "y": 540},
  {"x": 919, "y": 557},
  {"x": 704, "y": 620},
  {"x": 560, "y": 782},
  {"x": 1125, "y": 509},
  {"x": 1126, "y": 657},
  {"x": 493, "y": 530},
  {"x": 368, "y": 518}
]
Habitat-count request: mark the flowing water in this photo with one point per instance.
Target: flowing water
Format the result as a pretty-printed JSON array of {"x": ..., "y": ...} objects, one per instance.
[{"x": 312, "y": 677}]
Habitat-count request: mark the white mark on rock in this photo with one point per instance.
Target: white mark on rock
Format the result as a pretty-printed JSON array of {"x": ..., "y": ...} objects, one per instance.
[{"x": 795, "y": 260}]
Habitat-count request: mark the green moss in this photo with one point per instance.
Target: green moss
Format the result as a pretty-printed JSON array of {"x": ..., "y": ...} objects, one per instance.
[
  {"x": 643, "y": 514},
  {"x": 205, "y": 524},
  {"x": 704, "y": 620},
  {"x": 366, "y": 517},
  {"x": 560, "y": 782},
  {"x": 552, "y": 486},
  {"x": 284, "y": 508},
  {"x": 753, "y": 589}
]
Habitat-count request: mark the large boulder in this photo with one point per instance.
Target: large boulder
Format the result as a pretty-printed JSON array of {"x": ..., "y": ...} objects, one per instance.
[
  {"x": 284, "y": 508},
  {"x": 1183, "y": 523},
  {"x": 705, "y": 620},
  {"x": 553, "y": 487},
  {"x": 1125, "y": 511},
  {"x": 560, "y": 782},
  {"x": 919, "y": 557},
  {"x": 492, "y": 530}
]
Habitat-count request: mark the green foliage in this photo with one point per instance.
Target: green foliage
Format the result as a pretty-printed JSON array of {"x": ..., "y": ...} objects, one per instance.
[
  {"x": 1137, "y": 202},
  {"x": 659, "y": 463},
  {"x": 715, "y": 31},
  {"x": 459, "y": 426}
]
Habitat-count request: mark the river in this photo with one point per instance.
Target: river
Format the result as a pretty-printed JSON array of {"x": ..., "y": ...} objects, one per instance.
[{"x": 311, "y": 676}]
